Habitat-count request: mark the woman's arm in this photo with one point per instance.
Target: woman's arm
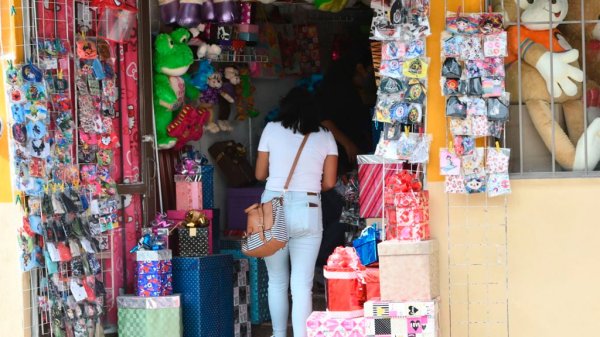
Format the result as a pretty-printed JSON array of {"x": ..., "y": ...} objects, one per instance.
[
  {"x": 351, "y": 149},
  {"x": 329, "y": 173},
  {"x": 262, "y": 166}
]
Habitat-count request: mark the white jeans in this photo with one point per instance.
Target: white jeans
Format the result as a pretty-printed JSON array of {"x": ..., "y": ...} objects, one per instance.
[{"x": 304, "y": 224}]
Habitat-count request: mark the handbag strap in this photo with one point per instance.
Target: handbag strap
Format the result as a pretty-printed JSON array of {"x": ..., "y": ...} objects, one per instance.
[{"x": 289, "y": 178}]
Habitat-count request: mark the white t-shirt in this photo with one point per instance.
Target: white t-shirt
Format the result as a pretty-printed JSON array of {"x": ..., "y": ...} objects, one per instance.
[{"x": 283, "y": 144}]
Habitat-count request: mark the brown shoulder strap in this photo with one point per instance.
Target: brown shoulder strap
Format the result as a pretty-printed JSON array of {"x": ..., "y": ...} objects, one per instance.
[{"x": 289, "y": 178}]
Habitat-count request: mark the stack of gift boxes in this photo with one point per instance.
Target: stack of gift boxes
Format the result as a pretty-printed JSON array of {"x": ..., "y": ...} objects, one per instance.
[
  {"x": 241, "y": 299},
  {"x": 154, "y": 310},
  {"x": 203, "y": 282}
]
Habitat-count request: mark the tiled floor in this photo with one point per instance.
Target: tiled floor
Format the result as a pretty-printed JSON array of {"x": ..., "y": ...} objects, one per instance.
[{"x": 265, "y": 329}]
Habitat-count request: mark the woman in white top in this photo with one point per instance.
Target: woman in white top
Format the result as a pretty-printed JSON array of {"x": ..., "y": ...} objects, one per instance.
[{"x": 315, "y": 172}]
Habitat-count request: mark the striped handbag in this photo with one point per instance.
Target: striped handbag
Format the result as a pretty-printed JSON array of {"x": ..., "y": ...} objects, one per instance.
[{"x": 266, "y": 232}]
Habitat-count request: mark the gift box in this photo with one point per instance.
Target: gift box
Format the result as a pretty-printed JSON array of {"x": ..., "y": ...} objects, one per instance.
[
  {"x": 179, "y": 216},
  {"x": 409, "y": 270},
  {"x": 149, "y": 316},
  {"x": 192, "y": 241},
  {"x": 153, "y": 270},
  {"x": 240, "y": 313},
  {"x": 238, "y": 199},
  {"x": 208, "y": 197},
  {"x": 242, "y": 329},
  {"x": 401, "y": 319},
  {"x": 206, "y": 288},
  {"x": 258, "y": 282},
  {"x": 407, "y": 216},
  {"x": 371, "y": 277},
  {"x": 344, "y": 289},
  {"x": 366, "y": 246},
  {"x": 370, "y": 181},
  {"x": 241, "y": 272},
  {"x": 188, "y": 192},
  {"x": 323, "y": 324}
]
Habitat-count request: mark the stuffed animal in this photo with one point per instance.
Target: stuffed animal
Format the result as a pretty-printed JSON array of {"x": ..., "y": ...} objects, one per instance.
[
  {"x": 209, "y": 98},
  {"x": 172, "y": 58},
  {"x": 573, "y": 32},
  {"x": 231, "y": 80},
  {"x": 544, "y": 72}
]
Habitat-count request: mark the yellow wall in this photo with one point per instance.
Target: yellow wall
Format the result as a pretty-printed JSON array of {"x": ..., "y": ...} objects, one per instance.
[{"x": 552, "y": 258}]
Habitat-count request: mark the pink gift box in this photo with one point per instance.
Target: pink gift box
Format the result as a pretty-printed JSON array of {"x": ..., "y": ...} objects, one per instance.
[
  {"x": 178, "y": 216},
  {"x": 188, "y": 194},
  {"x": 407, "y": 216},
  {"x": 409, "y": 270},
  {"x": 322, "y": 324},
  {"x": 370, "y": 181}
]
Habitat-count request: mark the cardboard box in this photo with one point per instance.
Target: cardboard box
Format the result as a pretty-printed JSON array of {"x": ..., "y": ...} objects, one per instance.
[{"x": 409, "y": 271}]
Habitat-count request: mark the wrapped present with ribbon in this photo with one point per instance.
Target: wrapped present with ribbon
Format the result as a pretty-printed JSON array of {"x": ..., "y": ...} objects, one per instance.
[
  {"x": 192, "y": 225},
  {"x": 193, "y": 172},
  {"x": 344, "y": 285},
  {"x": 406, "y": 208},
  {"x": 193, "y": 235},
  {"x": 366, "y": 245}
]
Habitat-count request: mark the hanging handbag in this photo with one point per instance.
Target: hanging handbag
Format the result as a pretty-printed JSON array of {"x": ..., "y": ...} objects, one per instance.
[{"x": 266, "y": 232}]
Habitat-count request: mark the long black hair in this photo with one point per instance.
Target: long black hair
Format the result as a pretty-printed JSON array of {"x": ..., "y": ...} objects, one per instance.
[{"x": 300, "y": 112}]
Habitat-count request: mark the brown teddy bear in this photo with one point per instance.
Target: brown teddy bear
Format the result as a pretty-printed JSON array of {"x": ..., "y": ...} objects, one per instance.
[
  {"x": 572, "y": 32},
  {"x": 549, "y": 72}
]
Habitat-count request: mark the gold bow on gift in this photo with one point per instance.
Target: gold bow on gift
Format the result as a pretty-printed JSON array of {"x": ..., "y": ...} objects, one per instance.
[{"x": 195, "y": 218}]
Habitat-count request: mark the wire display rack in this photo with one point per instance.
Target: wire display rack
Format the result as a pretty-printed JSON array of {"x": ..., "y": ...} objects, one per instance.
[
  {"x": 477, "y": 248},
  {"x": 37, "y": 24}
]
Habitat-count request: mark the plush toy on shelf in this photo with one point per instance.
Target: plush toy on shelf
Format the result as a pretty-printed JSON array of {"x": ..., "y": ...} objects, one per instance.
[
  {"x": 546, "y": 73},
  {"x": 172, "y": 59},
  {"x": 591, "y": 10},
  {"x": 205, "y": 50},
  {"x": 210, "y": 84},
  {"x": 231, "y": 80}
]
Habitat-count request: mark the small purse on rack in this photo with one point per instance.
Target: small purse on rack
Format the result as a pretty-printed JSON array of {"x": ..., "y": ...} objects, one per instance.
[{"x": 266, "y": 231}]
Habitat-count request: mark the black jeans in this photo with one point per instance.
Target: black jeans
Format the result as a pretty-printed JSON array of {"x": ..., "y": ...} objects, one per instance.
[{"x": 333, "y": 231}]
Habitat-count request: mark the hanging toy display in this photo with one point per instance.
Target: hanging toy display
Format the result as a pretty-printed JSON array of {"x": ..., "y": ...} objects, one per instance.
[
  {"x": 172, "y": 58},
  {"x": 403, "y": 67},
  {"x": 473, "y": 49}
]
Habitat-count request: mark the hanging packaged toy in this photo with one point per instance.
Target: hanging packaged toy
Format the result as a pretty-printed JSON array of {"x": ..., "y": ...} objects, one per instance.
[
  {"x": 458, "y": 24},
  {"x": 449, "y": 162},
  {"x": 498, "y": 184},
  {"x": 456, "y": 107},
  {"x": 475, "y": 184},
  {"x": 498, "y": 108}
]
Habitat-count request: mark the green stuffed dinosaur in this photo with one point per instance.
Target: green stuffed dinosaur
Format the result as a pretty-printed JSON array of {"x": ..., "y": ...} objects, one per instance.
[{"x": 172, "y": 58}]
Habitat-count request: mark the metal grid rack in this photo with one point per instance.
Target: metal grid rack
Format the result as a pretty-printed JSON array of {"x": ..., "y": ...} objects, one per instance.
[{"x": 477, "y": 248}]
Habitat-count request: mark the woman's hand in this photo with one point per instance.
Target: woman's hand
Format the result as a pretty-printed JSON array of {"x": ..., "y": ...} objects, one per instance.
[{"x": 352, "y": 151}]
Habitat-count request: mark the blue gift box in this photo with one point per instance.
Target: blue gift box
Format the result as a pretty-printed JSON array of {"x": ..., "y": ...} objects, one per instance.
[
  {"x": 154, "y": 278},
  {"x": 206, "y": 288},
  {"x": 208, "y": 199},
  {"x": 258, "y": 282},
  {"x": 366, "y": 245}
]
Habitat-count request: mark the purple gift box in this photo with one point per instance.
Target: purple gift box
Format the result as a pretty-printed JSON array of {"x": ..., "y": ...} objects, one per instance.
[{"x": 154, "y": 278}]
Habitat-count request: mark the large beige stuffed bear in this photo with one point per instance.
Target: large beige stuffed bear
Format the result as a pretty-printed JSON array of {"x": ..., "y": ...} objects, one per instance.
[
  {"x": 549, "y": 65},
  {"x": 572, "y": 32}
]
